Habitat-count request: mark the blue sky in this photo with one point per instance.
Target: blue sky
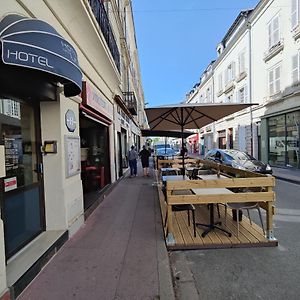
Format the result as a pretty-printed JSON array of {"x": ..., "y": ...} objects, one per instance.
[{"x": 177, "y": 40}]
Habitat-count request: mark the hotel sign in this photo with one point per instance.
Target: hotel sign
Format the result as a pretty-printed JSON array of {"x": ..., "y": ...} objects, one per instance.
[{"x": 96, "y": 101}]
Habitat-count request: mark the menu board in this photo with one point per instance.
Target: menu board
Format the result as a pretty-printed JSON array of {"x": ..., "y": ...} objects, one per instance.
[
  {"x": 73, "y": 157},
  {"x": 13, "y": 152}
]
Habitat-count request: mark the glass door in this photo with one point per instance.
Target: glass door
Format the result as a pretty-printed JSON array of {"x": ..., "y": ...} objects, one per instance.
[
  {"x": 277, "y": 140},
  {"x": 21, "y": 193},
  {"x": 292, "y": 138}
]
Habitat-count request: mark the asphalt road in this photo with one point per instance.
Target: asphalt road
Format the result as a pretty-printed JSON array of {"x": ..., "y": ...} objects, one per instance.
[{"x": 253, "y": 273}]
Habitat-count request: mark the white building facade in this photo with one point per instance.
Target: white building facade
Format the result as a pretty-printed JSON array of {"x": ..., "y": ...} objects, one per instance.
[{"x": 258, "y": 62}]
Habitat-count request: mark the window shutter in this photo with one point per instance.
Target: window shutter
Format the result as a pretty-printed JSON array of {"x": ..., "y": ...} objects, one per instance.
[
  {"x": 270, "y": 34},
  {"x": 242, "y": 62},
  {"x": 294, "y": 13},
  {"x": 233, "y": 70},
  {"x": 295, "y": 68},
  {"x": 275, "y": 30},
  {"x": 277, "y": 79},
  {"x": 271, "y": 83},
  {"x": 226, "y": 75},
  {"x": 245, "y": 94},
  {"x": 220, "y": 82}
]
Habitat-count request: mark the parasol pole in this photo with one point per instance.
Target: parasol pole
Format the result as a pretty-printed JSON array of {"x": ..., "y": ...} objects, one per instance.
[{"x": 182, "y": 146}]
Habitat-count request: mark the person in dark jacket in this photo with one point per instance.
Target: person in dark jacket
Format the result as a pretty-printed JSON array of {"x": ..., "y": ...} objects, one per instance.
[
  {"x": 144, "y": 155},
  {"x": 132, "y": 158}
]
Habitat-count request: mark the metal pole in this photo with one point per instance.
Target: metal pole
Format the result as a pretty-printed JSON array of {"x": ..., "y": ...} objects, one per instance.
[{"x": 183, "y": 152}]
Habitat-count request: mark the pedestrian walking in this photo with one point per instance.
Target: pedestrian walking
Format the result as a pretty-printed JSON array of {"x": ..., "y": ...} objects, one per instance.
[
  {"x": 144, "y": 155},
  {"x": 132, "y": 158}
]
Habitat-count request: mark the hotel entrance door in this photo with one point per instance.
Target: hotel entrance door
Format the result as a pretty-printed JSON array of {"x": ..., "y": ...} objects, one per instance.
[{"x": 21, "y": 190}]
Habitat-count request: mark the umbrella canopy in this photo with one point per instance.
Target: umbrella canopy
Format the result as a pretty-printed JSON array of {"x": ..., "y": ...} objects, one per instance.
[
  {"x": 189, "y": 115},
  {"x": 170, "y": 133}
]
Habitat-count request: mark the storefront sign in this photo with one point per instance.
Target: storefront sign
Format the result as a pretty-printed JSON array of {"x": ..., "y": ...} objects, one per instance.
[
  {"x": 10, "y": 184},
  {"x": 96, "y": 101},
  {"x": 70, "y": 120},
  {"x": 34, "y": 44}
]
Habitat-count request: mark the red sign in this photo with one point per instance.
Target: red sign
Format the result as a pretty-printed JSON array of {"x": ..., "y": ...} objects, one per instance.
[
  {"x": 10, "y": 184},
  {"x": 96, "y": 101}
]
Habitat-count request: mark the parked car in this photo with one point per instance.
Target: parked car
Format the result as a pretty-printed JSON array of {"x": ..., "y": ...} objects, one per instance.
[
  {"x": 165, "y": 153},
  {"x": 238, "y": 159}
]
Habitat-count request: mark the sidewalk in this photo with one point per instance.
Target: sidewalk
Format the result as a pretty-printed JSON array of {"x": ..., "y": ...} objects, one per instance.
[
  {"x": 119, "y": 253},
  {"x": 290, "y": 175}
]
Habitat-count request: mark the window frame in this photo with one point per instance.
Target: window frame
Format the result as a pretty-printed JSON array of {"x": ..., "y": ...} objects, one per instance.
[
  {"x": 271, "y": 31},
  {"x": 272, "y": 71},
  {"x": 295, "y": 24}
]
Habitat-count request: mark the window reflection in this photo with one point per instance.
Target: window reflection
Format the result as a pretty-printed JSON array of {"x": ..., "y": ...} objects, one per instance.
[{"x": 18, "y": 136}]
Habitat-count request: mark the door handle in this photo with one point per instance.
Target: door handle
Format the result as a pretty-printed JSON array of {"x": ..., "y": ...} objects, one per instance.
[{"x": 39, "y": 168}]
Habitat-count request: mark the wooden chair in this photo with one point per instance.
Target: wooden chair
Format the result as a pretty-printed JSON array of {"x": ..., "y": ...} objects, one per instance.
[{"x": 182, "y": 207}]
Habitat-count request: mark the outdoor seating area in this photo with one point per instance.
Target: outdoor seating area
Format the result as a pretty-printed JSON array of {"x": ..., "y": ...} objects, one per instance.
[{"x": 217, "y": 195}]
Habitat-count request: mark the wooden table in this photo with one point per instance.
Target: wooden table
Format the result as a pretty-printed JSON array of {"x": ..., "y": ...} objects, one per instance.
[{"x": 212, "y": 224}]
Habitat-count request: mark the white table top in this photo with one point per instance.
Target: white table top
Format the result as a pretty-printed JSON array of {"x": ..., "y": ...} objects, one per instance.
[
  {"x": 211, "y": 177},
  {"x": 169, "y": 169},
  {"x": 175, "y": 178},
  {"x": 211, "y": 191}
]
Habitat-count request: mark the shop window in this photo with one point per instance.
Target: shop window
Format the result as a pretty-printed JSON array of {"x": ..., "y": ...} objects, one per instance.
[
  {"x": 292, "y": 138},
  {"x": 277, "y": 140}
]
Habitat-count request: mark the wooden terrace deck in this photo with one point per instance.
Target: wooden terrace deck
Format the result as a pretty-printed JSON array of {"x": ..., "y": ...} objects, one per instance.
[{"x": 249, "y": 235}]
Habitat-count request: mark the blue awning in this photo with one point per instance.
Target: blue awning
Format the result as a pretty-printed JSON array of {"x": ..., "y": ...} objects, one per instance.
[{"x": 34, "y": 44}]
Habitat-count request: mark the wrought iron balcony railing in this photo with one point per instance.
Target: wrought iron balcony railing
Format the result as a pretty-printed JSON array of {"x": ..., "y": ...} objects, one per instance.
[
  {"x": 103, "y": 21},
  {"x": 130, "y": 101}
]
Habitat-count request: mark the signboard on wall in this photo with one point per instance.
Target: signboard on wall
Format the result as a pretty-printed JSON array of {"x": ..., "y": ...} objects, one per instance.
[
  {"x": 95, "y": 100},
  {"x": 73, "y": 157}
]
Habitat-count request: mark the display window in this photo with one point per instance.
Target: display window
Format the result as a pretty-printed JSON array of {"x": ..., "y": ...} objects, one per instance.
[{"x": 284, "y": 140}]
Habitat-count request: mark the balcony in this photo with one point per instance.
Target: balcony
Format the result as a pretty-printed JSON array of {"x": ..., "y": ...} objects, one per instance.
[
  {"x": 130, "y": 101},
  {"x": 229, "y": 87},
  {"x": 103, "y": 21},
  {"x": 274, "y": 50}
]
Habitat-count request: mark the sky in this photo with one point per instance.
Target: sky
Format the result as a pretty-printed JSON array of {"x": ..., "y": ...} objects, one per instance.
[{"x": 177, "y": 40}]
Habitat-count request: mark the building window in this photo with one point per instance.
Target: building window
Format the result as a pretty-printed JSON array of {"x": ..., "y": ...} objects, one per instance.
[
  {"x": 230, "y": 73},
  {"x": 242, "y": 67},
  {"x": 220, "y": 82},
  {"x": 242, "y": 95},
  {"x": 274, "y": 33},
  {"x": 229, "y": 99},
  {"x": 274, "y": 80},
  {"x": 295, "y": 68},
  {"x": 208, "y": 95},
  {"x": 295, "y": 14}
]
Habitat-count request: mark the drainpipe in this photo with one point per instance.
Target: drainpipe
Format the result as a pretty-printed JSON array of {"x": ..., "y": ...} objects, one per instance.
[{"x": 250, "y": 85}]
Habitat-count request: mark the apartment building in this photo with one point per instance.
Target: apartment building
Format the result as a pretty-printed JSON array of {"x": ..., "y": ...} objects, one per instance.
[
  {"x": 258, "y": 62},
  {"x": 71, "y": 104}
]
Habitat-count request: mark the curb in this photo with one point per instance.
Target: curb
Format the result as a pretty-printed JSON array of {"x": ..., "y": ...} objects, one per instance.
[{"x": 287, "y": 179}]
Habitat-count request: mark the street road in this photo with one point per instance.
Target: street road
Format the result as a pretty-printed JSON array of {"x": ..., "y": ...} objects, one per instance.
[{"x": 251, "y": 273}]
